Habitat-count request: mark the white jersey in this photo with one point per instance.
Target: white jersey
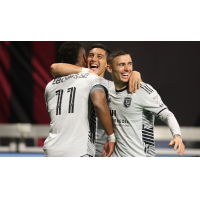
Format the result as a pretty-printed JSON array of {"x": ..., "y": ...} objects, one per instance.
[
  {"x": 67, "y": 104},
  {"x": 133, "y": 120}
]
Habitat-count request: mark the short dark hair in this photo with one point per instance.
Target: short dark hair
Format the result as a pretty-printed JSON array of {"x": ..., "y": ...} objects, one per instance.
[
  {"x": 115, "y": 53},
  {"x": 69, "y": 52},
  {"x": 101, "y": 46}
]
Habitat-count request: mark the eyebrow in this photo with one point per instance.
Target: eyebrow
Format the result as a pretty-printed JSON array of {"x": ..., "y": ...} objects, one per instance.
[
  {"x": 124, "y": 63},
  {"x": 99, "y": 54}
]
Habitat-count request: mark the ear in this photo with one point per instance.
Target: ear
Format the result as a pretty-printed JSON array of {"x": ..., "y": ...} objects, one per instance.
[
  {"x": 109, "y": 68},
  {"x": 84, "y": 61},
  {"x": 85, "y": 57}
]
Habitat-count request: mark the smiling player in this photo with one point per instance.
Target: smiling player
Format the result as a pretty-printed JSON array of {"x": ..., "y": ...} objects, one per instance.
[
  {"x": 97, "y": 63},
  {"x": 133, "y": 114},
  {"x": 71, "y": 104}
]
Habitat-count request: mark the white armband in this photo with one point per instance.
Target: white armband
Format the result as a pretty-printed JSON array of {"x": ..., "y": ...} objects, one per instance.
[
  {"x": 111, "y": 138},
  {"x": 169, "y": 118},
  {"x": 85, "y": 69}
]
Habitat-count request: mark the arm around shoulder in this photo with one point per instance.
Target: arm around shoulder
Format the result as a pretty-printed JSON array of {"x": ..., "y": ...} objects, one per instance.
[{"x": 64, "y": 69}]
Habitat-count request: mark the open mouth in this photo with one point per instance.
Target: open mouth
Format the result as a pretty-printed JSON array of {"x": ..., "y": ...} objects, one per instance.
[
  {"x": 94, "y": 66},
  {"x": 125, "y": 75}
]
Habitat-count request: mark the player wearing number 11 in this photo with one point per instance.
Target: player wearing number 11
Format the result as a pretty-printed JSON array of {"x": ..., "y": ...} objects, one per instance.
[{"x": 67, "y": 99}]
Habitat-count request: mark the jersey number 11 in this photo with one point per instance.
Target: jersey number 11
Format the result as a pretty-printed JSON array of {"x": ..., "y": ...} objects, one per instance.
[{"x": 72, "y": 91}]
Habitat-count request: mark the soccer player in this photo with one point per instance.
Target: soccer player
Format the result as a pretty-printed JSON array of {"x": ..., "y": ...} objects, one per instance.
[
  {"x": 67, "y": 100},
  {"x": 97, "y": 62},
  {"x": 133, "y": 114}
]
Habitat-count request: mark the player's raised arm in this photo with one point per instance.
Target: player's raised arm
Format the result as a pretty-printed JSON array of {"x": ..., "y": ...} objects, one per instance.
[
  {"x": 64, "y": 69},
  {"x": 103, "y": 113},
  {"x": 134, "y": 81}
]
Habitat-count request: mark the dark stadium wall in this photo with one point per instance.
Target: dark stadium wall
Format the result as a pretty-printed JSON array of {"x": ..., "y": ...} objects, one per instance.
[
  {"x": 21, "y": 81},
  {"x": 5, "y": 87},
  {"x": 172, "y": 68},
  {"x": 24, "y": 67}
]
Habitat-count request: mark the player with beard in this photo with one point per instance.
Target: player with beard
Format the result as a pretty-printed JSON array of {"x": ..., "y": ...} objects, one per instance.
[
  {"x": 133, "y": 114},
  {"x": 97, "y": 63},
  {"x": 67, "y": 103}
]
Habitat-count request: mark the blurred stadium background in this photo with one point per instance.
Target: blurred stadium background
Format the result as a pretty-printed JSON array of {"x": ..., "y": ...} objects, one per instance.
[{"x": 172, "y": 68}]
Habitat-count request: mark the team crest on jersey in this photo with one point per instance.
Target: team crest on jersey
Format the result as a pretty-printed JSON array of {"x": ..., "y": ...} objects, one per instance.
[{"x": 127, "y": 101}]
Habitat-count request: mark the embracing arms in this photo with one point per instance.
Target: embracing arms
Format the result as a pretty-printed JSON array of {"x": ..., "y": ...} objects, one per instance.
[{"x": 64, "y": 69}]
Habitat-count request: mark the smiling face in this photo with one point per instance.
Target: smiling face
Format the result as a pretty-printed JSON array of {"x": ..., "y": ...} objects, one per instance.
[
  {"x": 97, "y": 61},
  {"x": 120, "y": 70}
]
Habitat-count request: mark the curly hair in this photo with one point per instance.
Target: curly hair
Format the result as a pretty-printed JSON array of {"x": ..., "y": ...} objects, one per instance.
[{"x": 69, "y": 52}]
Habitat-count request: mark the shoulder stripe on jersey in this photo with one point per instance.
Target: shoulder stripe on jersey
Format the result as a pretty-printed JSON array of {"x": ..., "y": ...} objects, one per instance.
[
  {"x": 143, "y": 87},
  {"x": 144, "y": 84},
  {"x": 148, "y": 87}
]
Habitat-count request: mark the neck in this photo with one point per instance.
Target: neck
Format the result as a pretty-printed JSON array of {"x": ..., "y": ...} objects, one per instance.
[
  {"x": 79, "y": 64},
  {"x": 101, "y": 75},
  {"x": 121, "y": 85}
]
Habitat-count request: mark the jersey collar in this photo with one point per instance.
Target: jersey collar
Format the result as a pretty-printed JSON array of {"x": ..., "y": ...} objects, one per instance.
[{"x": 122, "y": 89}]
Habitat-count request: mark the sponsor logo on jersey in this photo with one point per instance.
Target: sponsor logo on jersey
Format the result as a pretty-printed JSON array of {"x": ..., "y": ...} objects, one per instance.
[
  {"x": 127, "y": 101},
  {"x": 121, "y": 121}
]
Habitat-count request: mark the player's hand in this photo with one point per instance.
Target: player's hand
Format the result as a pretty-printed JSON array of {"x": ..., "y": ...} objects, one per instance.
[
  {"x": 134, "y": 81},
  {"x": 92, "y": 72},
  {"x": 178, "y": 143},
  {"x": 108, "y": 149}
]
